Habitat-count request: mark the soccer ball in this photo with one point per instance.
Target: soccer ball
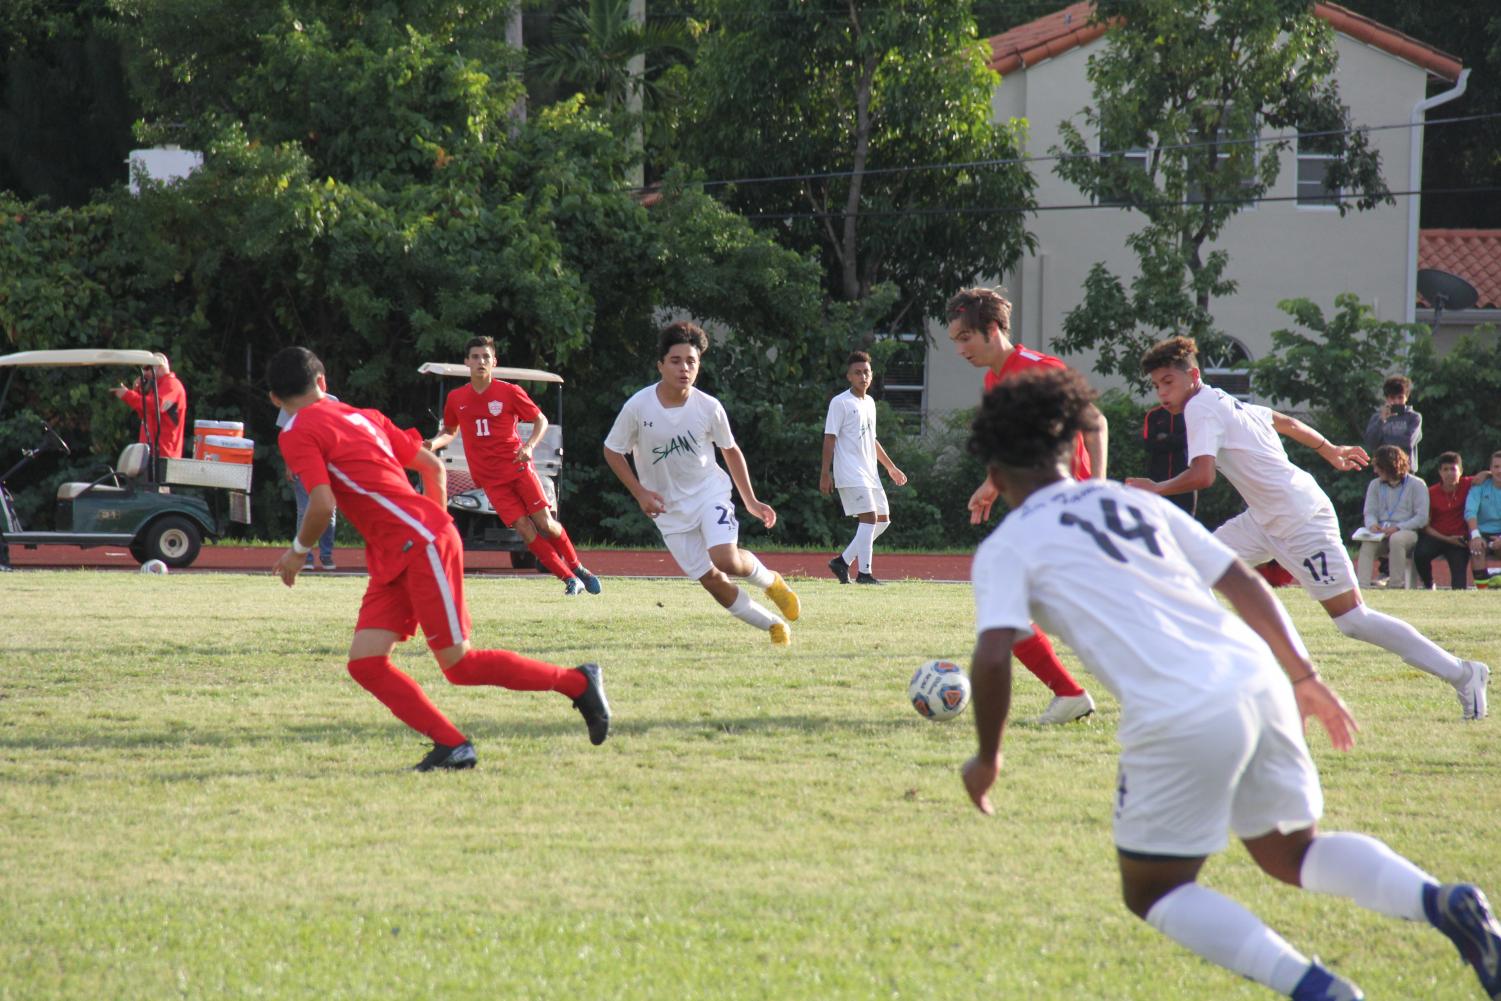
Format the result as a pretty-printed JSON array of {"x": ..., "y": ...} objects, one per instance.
[
  {"x": 939, "y": 690},
  {"x": 154, "y": 566}
]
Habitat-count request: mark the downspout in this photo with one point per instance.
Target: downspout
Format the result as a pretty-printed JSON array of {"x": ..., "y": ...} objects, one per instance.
[{"x": 1415, "y": 184}]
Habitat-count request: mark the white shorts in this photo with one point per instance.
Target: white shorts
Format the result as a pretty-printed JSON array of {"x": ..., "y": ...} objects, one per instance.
[
  {"x": 859, "y": 500},
  {"x": 1313, "y": 553},
  {"x": 716, "y": 527},
  {"x": 1245, "y": 769}
]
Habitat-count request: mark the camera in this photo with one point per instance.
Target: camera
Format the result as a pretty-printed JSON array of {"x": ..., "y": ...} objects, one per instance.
[{"x": 1398, "y": 408}]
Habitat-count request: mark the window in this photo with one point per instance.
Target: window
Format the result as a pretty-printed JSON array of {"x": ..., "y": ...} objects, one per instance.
[
  {"x": 1135, "y": 157},
  {"x": 1247, "y": 150},
  {"x": 902, "y": 379},
  {"x": 1229, "y": 369},
  {"x": 1315, "y": 156}
]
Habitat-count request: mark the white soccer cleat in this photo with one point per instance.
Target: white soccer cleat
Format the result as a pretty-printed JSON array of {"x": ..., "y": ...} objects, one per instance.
[
  {"x": 1066, "y": 709},
  {"x": 1472, "y": 691}
]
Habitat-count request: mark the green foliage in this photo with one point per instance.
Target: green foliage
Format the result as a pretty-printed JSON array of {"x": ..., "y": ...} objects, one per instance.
[
  {"x": 1190, "y": 82},
  {"x": 1459, "y": 396}
]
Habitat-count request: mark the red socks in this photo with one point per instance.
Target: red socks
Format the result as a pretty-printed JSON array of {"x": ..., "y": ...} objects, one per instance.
[
  {"x": 511, "y": 670},
  {"x": 405, "y": 698},
  {"x": 564, "y": 545},
  {"x": 542, "y": 548},
  {"x": 1036, "y": 652}
]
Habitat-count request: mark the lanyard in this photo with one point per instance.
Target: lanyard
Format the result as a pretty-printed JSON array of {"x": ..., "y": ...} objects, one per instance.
[{"x": 1386, "y": 515}]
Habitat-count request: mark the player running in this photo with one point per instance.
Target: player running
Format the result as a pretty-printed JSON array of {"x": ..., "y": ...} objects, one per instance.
[
  {"x": 355, "y": 459},
  {"x": 851, "y": 449},
  {"x": 670, "y": 430},
  {"x": 979, "y": 329},
  {"x": 488, "y": 412},
  {"x": 1288, "y": 517},
  {"x": 1211, "y": 730}
]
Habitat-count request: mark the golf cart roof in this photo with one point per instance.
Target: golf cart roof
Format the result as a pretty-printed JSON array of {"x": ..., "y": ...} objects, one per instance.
[
  {"x": 81, "y": 356},
  {"x": 508, "y": 374}
]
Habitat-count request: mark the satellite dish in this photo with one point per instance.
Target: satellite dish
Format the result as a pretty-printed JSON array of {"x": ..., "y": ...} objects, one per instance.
[{"x": 1445, "y": 291}]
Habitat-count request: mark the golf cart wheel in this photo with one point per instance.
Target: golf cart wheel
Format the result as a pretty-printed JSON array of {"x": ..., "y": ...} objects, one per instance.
[
  {"x": 174, "y": 540},
  {"x": 523, "y": 560},
  {"x": 138, "y": 551}
]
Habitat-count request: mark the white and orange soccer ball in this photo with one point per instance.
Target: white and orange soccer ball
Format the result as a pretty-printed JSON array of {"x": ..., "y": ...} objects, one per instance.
[{"x": 939, "y": 690}]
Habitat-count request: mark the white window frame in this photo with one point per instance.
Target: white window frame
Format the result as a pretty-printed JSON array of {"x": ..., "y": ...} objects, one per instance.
[
  {"x": 1232, "y": 366},
  {"x": 1327, "y": 202}
]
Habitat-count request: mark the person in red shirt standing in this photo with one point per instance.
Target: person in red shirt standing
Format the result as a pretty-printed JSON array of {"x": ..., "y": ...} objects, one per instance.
[
  {"x": 979, "y": 328},
  {"x": 173, "y": 410},
  {"x": 487, "y": 412},
  {"x": 1446, "y": 534},
  {"x": 355, "y": 460}
]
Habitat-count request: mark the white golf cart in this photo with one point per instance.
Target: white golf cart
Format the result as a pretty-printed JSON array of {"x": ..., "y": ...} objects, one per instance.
[
  {"x": 130, "y": 504},
  {"x": 476, "y": 520}
]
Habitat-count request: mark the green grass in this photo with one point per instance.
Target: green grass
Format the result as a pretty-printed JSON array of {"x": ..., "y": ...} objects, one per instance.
[{"x": 197, "y": 802}]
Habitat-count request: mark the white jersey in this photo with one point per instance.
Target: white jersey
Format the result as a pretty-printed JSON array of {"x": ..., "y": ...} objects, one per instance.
[
  {"x": 674, "y": 452},
  {"x": 1124, "y": 578},
  {"x": 852, "y": 422},
  {"x": 1247, "y": 449}
]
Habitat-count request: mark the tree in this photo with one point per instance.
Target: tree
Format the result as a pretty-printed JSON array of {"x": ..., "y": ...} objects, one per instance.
[
  {"x": 593, "y": 46},
  {"x": 842, "y": 104},
  {"x": 1192, "y": 83}
]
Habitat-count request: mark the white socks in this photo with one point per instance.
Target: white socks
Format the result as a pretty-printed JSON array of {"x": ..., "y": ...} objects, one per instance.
[
  {"x": 880, "y": 527},
  {"x": 749, "y": 612},
  {"x": 1364, "y": 870},
  {"x": 1364, "y": 623},
  {"x": 862, "y": 547},
  {"x": 759, "y": 576},
  {"x": 1224, "y": 932}
]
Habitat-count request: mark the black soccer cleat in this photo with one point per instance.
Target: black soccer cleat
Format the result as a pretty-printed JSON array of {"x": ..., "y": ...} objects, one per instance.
[
  {"x": 450, "y": 757},
  {"x": 840, "y": 569},
  {"x": 865, "y": 578},
  {"x": 592, "y": 705}
]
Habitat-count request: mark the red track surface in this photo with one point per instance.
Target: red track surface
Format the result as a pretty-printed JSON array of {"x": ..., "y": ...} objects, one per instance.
[{"x": 605, "y": 562}]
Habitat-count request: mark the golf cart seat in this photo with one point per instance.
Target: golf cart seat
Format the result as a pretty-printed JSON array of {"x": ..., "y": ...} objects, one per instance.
[{"x": 132, "y": 463}]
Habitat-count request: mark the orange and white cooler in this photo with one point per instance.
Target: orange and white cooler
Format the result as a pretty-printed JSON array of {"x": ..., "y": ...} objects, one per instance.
[
  {"x": 223, "y": 448},
  {"x": 223, "y": 429}
]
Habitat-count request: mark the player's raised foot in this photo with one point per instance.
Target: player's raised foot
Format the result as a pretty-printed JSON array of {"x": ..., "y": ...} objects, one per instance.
[
  {"x": 1066, "y": 709},
  {"x": 781, "y": 634},
  {"x": 784, "y": 598},
  {"x": 840, "y": 569},
  {"x": 1472, "y": 691},
  {"x": 573, "y": 586},
  {"x": 1461, "y": 912},
  {"x": 591, "y": 582},
  {"x": 865, "y": 578},
  {"x": 592, "y": 705},
  {"x": 1318, "y": 984},
  {"x": 450, "y": 757}
]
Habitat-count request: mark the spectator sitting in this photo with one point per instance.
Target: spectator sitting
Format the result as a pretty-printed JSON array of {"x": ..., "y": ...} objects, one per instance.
[
  {"x": 1483, "y": 521},
  {"x": 1396, "y": 508},
  {"x": 1395, "y": 423},
  {"x": 1446, "y": 532}
]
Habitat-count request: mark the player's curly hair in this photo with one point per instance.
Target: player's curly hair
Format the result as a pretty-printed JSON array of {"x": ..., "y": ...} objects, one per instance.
[
  {"x": 1391, "y": 460},
  {"x": 1030, "y": 420},
  {"x": 1181, "y": 353},
  {"x": 681, "y": 332},
  {"x": 978, "y": 308}
]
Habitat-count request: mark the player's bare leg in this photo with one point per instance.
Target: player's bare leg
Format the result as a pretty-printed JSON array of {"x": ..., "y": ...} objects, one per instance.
[
  {"x": 736, "y": 562},
  {"x": 552, "y": 530},
  {"x": 739, "y": 604}
]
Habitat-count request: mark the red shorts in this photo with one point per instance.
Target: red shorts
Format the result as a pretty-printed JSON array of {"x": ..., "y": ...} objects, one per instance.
[
  {"x": 518, "y": 497},
  {"x": 429, "y": 593}
]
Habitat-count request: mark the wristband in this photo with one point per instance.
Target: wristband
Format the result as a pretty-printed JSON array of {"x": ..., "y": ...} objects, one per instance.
[
  {"x": 1320, "y": 446},
  {"x": 299, "y": 548},
  {"x": 1475, "y": 533},
  {"x": 1310, "y": 674}
]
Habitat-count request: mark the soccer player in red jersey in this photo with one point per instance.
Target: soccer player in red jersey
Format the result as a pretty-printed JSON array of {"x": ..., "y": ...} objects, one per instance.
[
  {"x": 979, "y": 328},
  {"x": 487, "y": 412},
  {"x": 354, "y": 459}
]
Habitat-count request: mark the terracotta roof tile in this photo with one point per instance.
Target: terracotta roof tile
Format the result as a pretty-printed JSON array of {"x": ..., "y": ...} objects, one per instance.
[
  {"x": 1031, "y": 43},
  {"x": 1472, "y": 254}
]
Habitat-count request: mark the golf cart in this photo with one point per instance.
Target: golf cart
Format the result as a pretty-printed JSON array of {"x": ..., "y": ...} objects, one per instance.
[
  {"x": 476, "y": 520},
  {"x": 130, "y": 504}
]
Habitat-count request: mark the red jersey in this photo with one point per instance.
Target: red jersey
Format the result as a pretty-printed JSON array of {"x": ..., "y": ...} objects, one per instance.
[
  {"x": 1022, "y": 359},
  {"x": 1446, "y": 512},
  {"x": 488, "y": 421},
  {"x": 362, "y": 456},
  {"x": 174, "y": 411}
]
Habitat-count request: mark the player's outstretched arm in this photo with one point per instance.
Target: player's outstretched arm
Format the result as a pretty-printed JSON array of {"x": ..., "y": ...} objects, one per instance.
[
  {"x": 1341, "y": 457},
  {"x": 1253, "y": 601},
  {"x": 651, "y": 502},
  {"x": 442, "y": 440},
  {"x": 990, "y": 677},
  {"x": 315, "y": 519},
  {"x": 1097, "y": 444},
  {"x": 1198, "y": 476},
  {"x": 734, "y": 461}
]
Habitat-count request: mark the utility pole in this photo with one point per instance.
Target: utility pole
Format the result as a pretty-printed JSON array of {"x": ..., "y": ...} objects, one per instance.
[{"x": 636, "y": 72}]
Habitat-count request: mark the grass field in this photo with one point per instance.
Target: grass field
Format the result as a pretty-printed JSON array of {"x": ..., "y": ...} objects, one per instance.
[{"x": 197, "y": 802}]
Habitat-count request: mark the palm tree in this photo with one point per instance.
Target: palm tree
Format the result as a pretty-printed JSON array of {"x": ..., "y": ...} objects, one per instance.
[{"x": 597, "y": 42}]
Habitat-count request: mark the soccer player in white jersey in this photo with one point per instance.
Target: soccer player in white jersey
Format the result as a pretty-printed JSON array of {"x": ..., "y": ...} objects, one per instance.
[
  {"x": 671, "y": 430},
  {"x": 1288, "y": 517},
  {"x": 1211, "y": 730},
  {"x": 850, "y": 454}
]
